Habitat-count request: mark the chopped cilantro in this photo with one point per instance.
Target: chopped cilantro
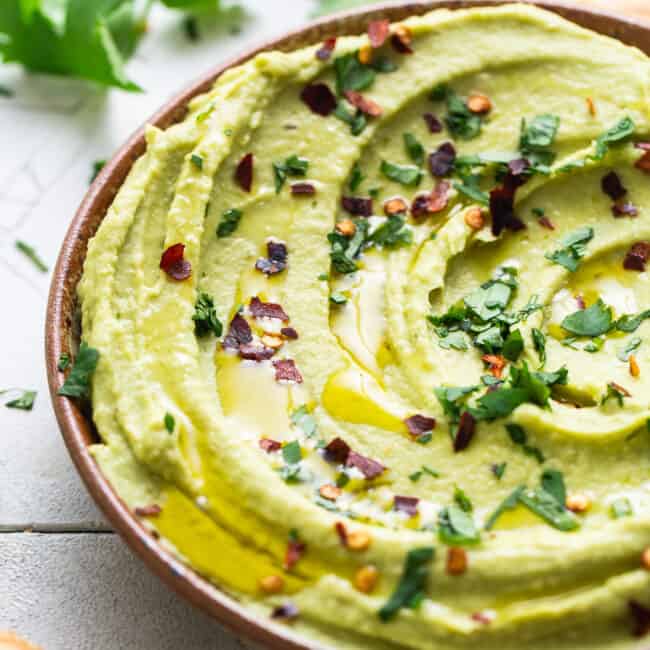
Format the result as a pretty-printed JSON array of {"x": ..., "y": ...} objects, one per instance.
[
  {"x": 338, "y": 298},
  {"x": 356, "y": 120},
  {"x": 631, "y": 346},
  {"x": 391, "y": 233},
  {"x": 32, "y": 255},
  {"x": 539, "y": 343},
  {"x": 546, "y": 506},
  {"x": 205, "y": 317},
  {"x": 356, "y": 177},
  {"x": 77, "y": 383},
  {"x": 593, "y": 321},
  {"x": 509, "y": 503},
  {"x": 64, "y": 361},
  {"x": 498, "y": 469},
  {"x": 452, "y": 399},
  {"x": 456, "y": 527},
  {"x": 292, "y": 456},
  {"x": 619, "y": 132},
  {"x": 304, "y": 420},
  {"x": 25, "y": 402},
  {"x": 471, "y": 190},
  {"x": 621, "y": 508},
  {"x": 416, "y": 476},
  {"x": 552, "y": 481},
  {"x": 519, "y": 436},
  {"x": 513, "y": 346},
  {"x": 462, "y": 500},
  {"x": 537, "y": 138},
  {"x": 404, "y": 174},
  {"x": 414, "y": 148},
  {"x": 351, "y": 74},
  {"x": 614, "y": 391},
  {"x": 460, "y": 121},
  {"x": 573, "y": 249},
  {"x": 169, "y": 422},
  {"x": 197, "y": 161},
  {"x": 98, "y": 165},
  {"x": 293, "y": 166},
  {"x": 410, "y": 588},
  {"x": 345, "y": 250},
  {"x": 229, "y": 222},
  {"x": 629, "y": 323},
  {"x": 453, "y": 341}
]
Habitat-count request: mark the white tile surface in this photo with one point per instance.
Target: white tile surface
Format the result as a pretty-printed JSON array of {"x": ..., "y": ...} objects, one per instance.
[{"x": 84, "y": 589}]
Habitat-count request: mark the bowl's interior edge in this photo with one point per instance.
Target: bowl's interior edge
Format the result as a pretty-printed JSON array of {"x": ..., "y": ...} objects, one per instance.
[{"x": 77, "y": 431}]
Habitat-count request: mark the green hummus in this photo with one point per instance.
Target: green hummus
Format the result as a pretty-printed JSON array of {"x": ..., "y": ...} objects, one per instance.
[{"x": 463, "y": 240}]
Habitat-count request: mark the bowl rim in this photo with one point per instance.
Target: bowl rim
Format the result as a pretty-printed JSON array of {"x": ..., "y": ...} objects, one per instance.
[{"x": 60, "y": 335}]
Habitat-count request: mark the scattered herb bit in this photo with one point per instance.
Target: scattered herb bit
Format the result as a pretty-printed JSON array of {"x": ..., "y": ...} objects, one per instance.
[
  {"x": 452, "y": 399},
  {"x": 424, "y": 470},
  {"x": 619, "y": 132},
  {"x": 460, "y": 120},
  {"x": 292, "y": 166},
  {"x": 574, "y": 247},
  {"x": 414, "y": 148},
  {"x": 292, "y": 456},
  {"x": 378, "y": 31},
  {"x": 324, "y": 52},
  {"x": 276, "y": 260},
  {"x": 64, "y": 362},
  {"x": 537, "y": 138},
  {"x": 410, "y": 588},
  {"x": 25, "y": 402},
  {"x": 498, "y": 469},
  {"x": 345, "y": 250},
  {"x": 77, "y": 383},
  {"x": 621, "y": 508},
  {"x": 391, "y": 234},
  {"x": 356, "y": 177},
  {"x": 509, "y": 503},
  {"x": 205, "y": 317},
  {"x": 197, "y": 161},
  {"x": 304, "y": 420},
  {"x": 229, "y": 222},
  {"x": 519, "y": 436},
  {"x": 351, "y": 74},
  {"x": 629, "y": 348},
  {"x": 462, "y": 500},
  {"x": 98, "y": 165},
  {"x": 593, "y": 321},
  {"x": 615, "y": 391},
  {"x": 338, "y": 298},
  {"x": 513, "y": 345},
  {"x": 169, "y": 422},
  {"x": 364, "y": 104},
  {"x": 405, "y": 174},
  {"x": 32, "y": 255},
  {"x": 630, "y": 323},
  {"x": 456, "y": 527},
  {"x": 539, "y": 343},
  {"x": 544, "y": 504}
]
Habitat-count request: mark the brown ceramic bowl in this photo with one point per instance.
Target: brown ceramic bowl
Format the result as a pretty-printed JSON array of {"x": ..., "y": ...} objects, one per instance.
[{"x": 62, "y": 330}]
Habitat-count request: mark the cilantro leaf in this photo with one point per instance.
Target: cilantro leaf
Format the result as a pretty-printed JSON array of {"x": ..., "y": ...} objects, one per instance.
[
  {"x": 539, "y": 342},
  {"x": 25, "y": 402},
  {"x": 452, "y": 398},
  {"x": 412, "y": 583},
  {"x": 391, "y": 233},
  {"x": 498, "y": 469},
  {"x": 356, "y": 177},
  {"x": 453, "y": 341},
  {"x": 292, "y": 166},
  {"x": 460, "y": 121},
  {"x": 537, "y": 138},
  {"x": 405, "y": 174},
  {"x": 593, "y": 321},
  {"x": 573, "y": 249},
  {"x": 553, "y": 482},
  {"x": 356, "y": 120},
  {"x": 619, "y": 132},
  {"x": 64, "y": 362},
  {"x": 621, "y": 508},
  {"x": 456, "y": 527},
  {"x": 631, "y": 346},
  {"x": 303, "y": 419},
  {"x": 345, "y": 250},
  {"x": 546, "y": 506},
  {"x": 509, "y": 503},
  {"x": 169, "y": 422},
  {"x": 414, "y": 148},
  {"x": 77, "y": 384},
  {"x": 629, "y": 323},
  {"x": 513, "y": 346},
  {"x": 351, "y": 74},
  {"x": 229, "y": 222},
  {"x": 205, "y": 317}
]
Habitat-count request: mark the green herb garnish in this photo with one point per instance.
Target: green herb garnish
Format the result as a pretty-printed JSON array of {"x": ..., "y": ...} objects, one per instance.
[
  {"x": 573, "y": 249},
  {"x": 593, "y": 321},
  {"x": 456, "y": 527},
  {"x": 25, "y": 402},
  {"x": 77, "y": 383},
  {"x": 405, "y": 174},
  {"x": 32, "y": 255},
  {"x": 414, "y": 148},
  {"x": 293, "y": 166},
  {"x": 205, "y": 317},
  {"x": 169, "y": 422},
  {"x": 229, "y": 222}
]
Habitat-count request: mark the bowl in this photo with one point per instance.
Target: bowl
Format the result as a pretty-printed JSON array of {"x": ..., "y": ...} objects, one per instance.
[{"x": 62, "y": 327}]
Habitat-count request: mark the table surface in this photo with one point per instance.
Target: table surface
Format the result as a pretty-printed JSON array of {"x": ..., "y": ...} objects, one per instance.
[{"x": 65, "y": 579}]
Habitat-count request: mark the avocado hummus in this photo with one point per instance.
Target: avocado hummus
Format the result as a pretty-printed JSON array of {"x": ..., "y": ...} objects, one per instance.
[{"x": 373, "y": 326}]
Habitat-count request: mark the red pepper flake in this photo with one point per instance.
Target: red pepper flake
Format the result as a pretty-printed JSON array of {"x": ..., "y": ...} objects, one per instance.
[
  {"x": 285, "y": 370},
  {"x": 439, "y": 197},
  {"x": 342, "y": 532},
  {"x": 612, "y": 186},
  {"x": 255, "y": 352},
  {"x": 269, "y": 445},
  {"x": 407, "y": 505},
  {"x": 619, "y": 389},
  {"x": 401, "y": 40},
  {"x": 640, "y": 617},
  {"x": 545, "y": 222},
  {"x": 357, "y": 205},
  {"x": 259, "y": 309},
  {"x": 441, "y": 161},
  {"x": 337, "y": 451},
  {"x": 591, "y": 107},
  {"x": 378, "y": 31},
  {"x": 173, "y": 264},
  {"x": 244, "y": 172},
  {"x": 295, "y": 550},
  {"x": 276, "y": 261},
  {"x": 483, "y": 617},
  {"x": 643, "y": 163},
  {"x": 434, "y": 124},
  {"x": 303, "y": 189},
  {"x": 419, "y": 424},
  {"x": 319, "y": 98},
  {"x": 326, "y": 49},
  {"x": 637, "y": 257},
  {"x": 152, "y": 510},
  {"x": 286, "y": 612},
  {"x": 626, "y": 209},
  {"x": 496, "y": 363},
  {"x": 465, "y": 433},
  {"x": 289, "y": 333},
  {"x": 239, "y": 333},
  {"x": 367, "y": 466},
  {"x": 502, "y": 201},
  {"x": 365, "y": 105},
  {"x": 581, "y": 302}
]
